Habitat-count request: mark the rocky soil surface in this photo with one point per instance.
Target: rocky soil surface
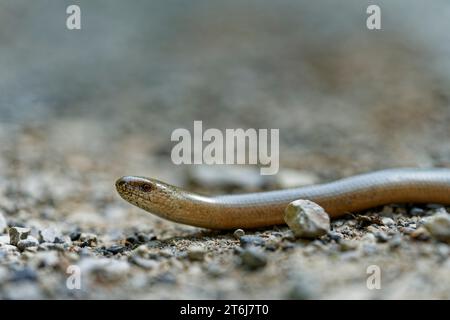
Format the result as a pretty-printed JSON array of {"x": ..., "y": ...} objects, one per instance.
[{"x": 60, "y": 214}]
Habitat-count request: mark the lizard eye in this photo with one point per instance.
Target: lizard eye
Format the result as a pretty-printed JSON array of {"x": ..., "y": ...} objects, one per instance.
[{"x": 146, "y": 187}]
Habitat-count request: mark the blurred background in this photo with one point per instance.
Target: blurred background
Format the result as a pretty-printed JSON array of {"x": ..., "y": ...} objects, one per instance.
[
  {"x": 80, "y": 108},
  {"x": 339, "y": 93}
]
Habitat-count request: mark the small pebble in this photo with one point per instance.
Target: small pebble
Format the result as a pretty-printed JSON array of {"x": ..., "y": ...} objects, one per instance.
[
  {"x": 287, "y": 246},
  {"x": 196, "y": 253},
  {"x": 166, "y": 253},
  {"x": 272, "y": 244},
  {"x": 420, "y": 233},
  {"x": 372, "y": 229},
  {"x": 387, "y": 221},
  {"x": 238, "y": 233},
  {"x": 115, "y": 249},
  {"x": 253, "y": 258},
  {"x": 154, "y": 244},
  {"x": 336, "y": 236},
  {"x": 439, "y": 226},
  {"x": 27, "y": 243},
  {"x": 251, "y": 240},
  {"x": 16, "y": 234},
  {"x": 381, "y": 236},
  {"x": 369, "y": 238},
  {"x": 132, "y": 240},
  {"x": 74, "y": 236},
  {"x": 50, "y": 235},
  {"x": 365, "y": 221},
  {"x": 142, "y": 237},
  {"x": 307, "y": 219},
  {"x": 89, "y": 239},
  {"x": 142, "y": 250}
]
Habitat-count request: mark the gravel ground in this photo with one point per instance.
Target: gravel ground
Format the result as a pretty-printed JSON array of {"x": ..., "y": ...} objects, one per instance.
[
  {"x": 66, "y": 136},
  {"x": 66, "y": 197}
]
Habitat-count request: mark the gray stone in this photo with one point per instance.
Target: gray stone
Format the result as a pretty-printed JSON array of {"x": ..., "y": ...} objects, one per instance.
[
  {"x": 49, "y": 235},
  {"x": 89, "y": 238},
  {"x": 27, "y": 243},
  {"x": 251, "y": 240},
  {"x": 307, "y": 219},
  {"x": 420, "y": 233},
  {"x": 16, "y": 234},
  {"x": 387, "y": 221},
  {"x": 439, "y": 226},
  {"x": 336, "y": 236},
  {"x": 196, "y": 253},
  {"x": 369, "y": 238},
  {"x": 381, "y": 236},
  {"x": 372, "y": 229},
  {"x": 253, "y": 258},
  {"x": 166, "y": 253}
]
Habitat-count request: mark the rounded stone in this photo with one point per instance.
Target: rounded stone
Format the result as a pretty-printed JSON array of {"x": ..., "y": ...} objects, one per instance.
[{"x": 307, "y": 219}]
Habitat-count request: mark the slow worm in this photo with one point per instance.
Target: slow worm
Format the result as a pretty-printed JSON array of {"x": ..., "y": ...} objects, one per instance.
[{"x": 266, "y": 208}]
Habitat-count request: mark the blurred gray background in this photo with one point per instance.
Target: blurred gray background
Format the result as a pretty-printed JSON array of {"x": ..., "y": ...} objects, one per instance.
[{"x": 340, "y": 94}]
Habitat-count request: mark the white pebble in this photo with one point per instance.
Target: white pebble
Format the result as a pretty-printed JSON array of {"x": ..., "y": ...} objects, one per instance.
[
  {"x": 387, "y": 221},
  {"x": 439, "y": 226},
  {"x": 307, "y": 219}
]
